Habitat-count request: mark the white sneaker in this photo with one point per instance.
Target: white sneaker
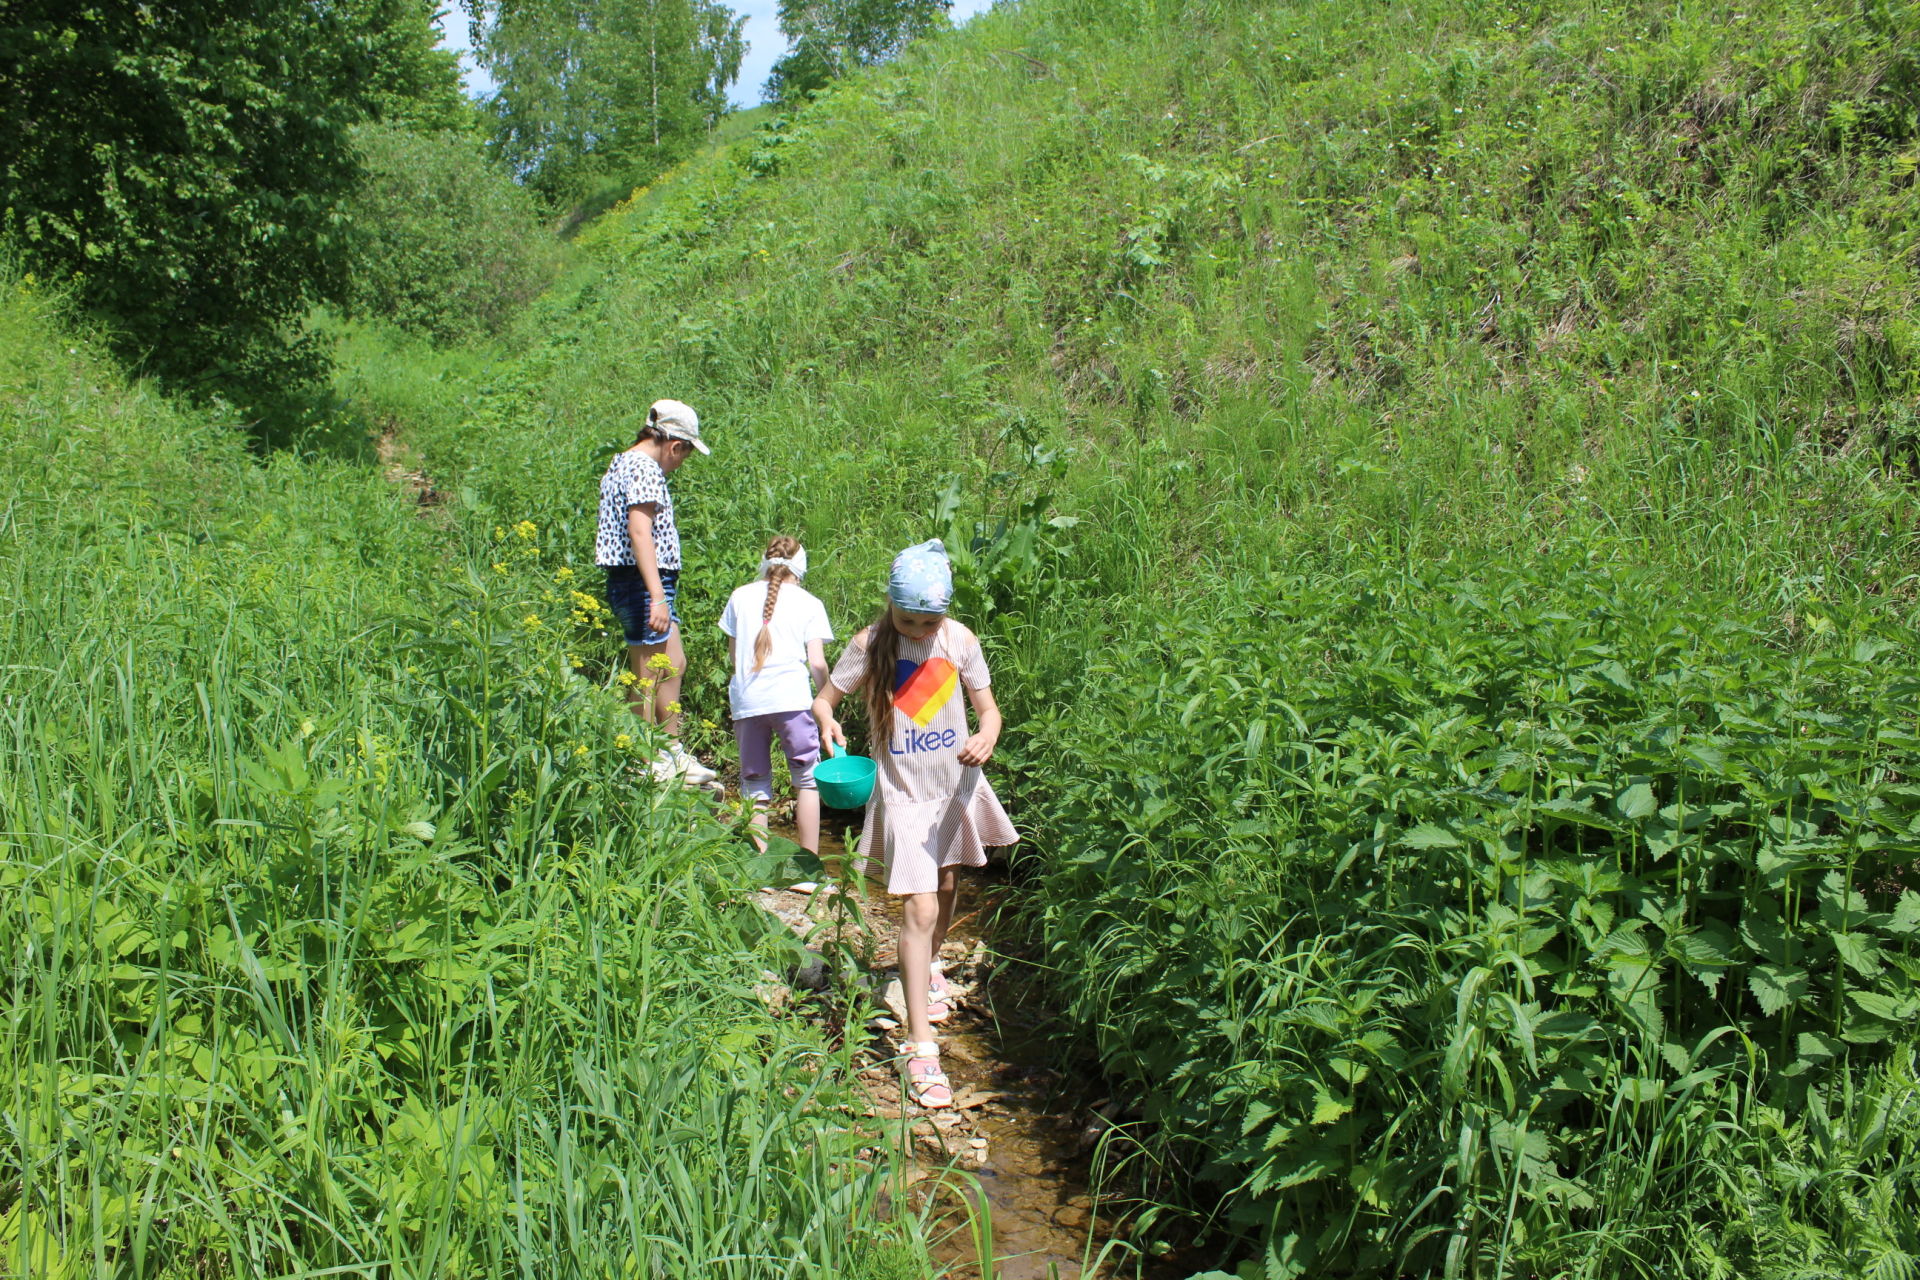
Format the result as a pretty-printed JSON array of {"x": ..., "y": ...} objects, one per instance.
[{"x": 695, "y": 773}]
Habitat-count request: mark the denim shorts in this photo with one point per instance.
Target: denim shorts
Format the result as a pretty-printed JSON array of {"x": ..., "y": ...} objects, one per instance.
[{"x": 628, "y": 597}]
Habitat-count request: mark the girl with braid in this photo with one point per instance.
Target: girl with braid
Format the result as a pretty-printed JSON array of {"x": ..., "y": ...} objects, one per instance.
[{"x": 776, "y": 638}]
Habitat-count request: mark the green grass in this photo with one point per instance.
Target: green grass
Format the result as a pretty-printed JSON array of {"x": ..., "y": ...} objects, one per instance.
[
  {"x": 343, "y": 936},
  {"x": 1436, "y": 482}
]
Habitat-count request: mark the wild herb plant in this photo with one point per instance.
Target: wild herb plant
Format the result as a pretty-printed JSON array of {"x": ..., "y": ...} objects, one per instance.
[{"x": 1453, "y": 913}]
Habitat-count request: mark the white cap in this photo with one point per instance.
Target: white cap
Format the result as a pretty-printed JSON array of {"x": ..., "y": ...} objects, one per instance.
[{"x": 677, "y": 421}]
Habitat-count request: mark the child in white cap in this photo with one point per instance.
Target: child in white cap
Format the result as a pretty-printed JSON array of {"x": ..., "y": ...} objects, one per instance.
[
  {"x": 638, "y": 544},
  {"x": 932, "y": 810}
]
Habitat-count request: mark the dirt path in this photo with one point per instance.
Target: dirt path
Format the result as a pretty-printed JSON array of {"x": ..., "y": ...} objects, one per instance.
[{"x": 1024, "y": 1134}]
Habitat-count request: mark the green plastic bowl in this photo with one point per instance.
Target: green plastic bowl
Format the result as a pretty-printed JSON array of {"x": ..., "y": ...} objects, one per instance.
[{"x": 845, "y": 782}]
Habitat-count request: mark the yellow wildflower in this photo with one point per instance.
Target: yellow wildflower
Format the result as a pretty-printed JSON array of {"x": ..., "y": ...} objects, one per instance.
[
  {"x": 660, "y": 662},
  {"x": 498, "y": 567},
  {"x": 526, "y": 530},
  {"x": 628, "y": 679},
  {"x": 563, "y": 574},
  {"x": 580, "y": 750},
  {"x": 622, "y": 740},
  {"x": 531, "y": 622}
]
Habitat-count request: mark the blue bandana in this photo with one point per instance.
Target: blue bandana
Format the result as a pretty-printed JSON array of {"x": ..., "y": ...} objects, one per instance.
[{"x": 922, "y": 579}]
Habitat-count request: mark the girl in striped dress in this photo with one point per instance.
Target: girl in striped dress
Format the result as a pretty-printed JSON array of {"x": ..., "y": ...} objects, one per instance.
[{"x": 932, "y": 810}]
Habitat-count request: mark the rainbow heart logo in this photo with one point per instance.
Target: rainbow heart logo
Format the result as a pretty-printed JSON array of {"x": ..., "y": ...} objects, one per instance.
[{"x": 920, "y": 689}]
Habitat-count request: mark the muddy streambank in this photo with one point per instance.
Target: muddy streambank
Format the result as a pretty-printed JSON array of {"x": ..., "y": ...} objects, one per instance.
[{"x": 1022, "y": 1133}]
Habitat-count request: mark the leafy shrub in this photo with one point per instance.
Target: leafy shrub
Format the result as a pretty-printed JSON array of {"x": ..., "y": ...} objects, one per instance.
[
  {"x": 185, "y": 166},
  {"x": 1427, "y": 907},
  {"x": 445, "y": 243}
]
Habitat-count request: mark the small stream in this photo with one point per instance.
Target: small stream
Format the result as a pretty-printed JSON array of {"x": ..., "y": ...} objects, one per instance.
[{"x": 1020, "y": 1133}]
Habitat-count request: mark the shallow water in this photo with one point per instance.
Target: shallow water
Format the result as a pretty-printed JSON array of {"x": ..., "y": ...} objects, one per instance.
[{"x": 1021, "y": 1135}]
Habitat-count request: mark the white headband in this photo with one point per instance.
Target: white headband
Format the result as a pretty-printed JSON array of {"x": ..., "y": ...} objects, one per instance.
[{"x": 795, "y": 564}]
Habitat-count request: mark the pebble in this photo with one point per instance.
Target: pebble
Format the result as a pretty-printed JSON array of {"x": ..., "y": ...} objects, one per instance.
[{"x": 813, "y": 974}]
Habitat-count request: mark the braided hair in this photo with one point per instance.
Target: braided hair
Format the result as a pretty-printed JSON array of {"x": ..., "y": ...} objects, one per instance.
[{"x": 780, "y": 548}]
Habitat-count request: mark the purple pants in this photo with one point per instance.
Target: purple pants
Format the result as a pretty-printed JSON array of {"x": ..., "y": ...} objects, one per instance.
[{"x": 799, "y": 738}]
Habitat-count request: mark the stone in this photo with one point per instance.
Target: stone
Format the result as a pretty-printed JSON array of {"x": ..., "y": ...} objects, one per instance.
[{"x": 813, "y": 974}]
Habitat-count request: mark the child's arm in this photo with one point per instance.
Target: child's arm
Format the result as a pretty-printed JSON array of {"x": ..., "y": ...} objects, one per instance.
[
  {"x": 978, "y": 749},
  {"x": 640, "y": 534},
  {"x": 830, "y": 730},
  {"x": 817, "y": 663}
]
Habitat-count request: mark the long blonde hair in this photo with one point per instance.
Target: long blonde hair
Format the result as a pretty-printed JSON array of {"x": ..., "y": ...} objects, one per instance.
[
  {"x": 876, "y": 686},
  {"x": 781, "y": 547}
]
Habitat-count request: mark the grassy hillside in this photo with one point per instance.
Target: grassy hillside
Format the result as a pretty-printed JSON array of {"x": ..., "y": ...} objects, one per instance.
[
  {"x": 1437, "y": 483},
  {"x": 342, "y": 935}
]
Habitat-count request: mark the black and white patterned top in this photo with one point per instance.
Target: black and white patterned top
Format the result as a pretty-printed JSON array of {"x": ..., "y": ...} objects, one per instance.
[{"x": 633, "y": 478}]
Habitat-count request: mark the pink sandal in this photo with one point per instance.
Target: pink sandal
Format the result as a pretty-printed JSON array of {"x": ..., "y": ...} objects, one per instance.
[
  {"x": 939, "y": 1008},
  {"x": 927, "y": 1082}
]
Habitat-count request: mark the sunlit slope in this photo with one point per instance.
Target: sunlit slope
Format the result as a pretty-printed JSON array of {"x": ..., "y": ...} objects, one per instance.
[
  {"x": 1403, "y": 272},
  {"x": 1436, "y": 484}
]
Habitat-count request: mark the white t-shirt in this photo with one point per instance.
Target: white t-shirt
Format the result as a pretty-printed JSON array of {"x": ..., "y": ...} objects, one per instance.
[{"x": 784, "y": 683}]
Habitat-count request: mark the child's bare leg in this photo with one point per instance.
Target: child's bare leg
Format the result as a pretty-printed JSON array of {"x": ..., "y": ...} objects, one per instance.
[
  {"x": 666, "y": 694},
  {"x": 656, "y": 692},
  {"x": 949, "y": 891},
  {"x": 920, "y": 917},
  {"x": 640, "y": 692},
  {"x": 759, "y": 825},
  {"x": 806, "y": 818}
]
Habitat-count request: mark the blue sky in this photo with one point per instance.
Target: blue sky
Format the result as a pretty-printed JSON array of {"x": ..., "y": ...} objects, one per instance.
[{"x": 765, "y": 44}]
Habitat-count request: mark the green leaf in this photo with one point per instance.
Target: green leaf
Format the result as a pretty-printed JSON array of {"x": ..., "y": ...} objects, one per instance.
[
  {"x": 1612, "y": 674},
  {"x": 1813, "y": 1045},
  {"x": 1777, "y": 863},
  {"x": 1327, "y": 1108},
  {"x": 1765, "y": 934},
  {"x": 1429, "y": 836},
  {"x": 1641, "y": 1089},
  {"x": 1906, "y": 914},
  {"x": 1885, "y": 1006},
  {"x": 1636, "y": 802},
  {"x": 1860, "y": 952},
  {"x": 1776, "y": 987},
  {"x": 1705, "y": 953},
  {"x": 784, "y": 862}
]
